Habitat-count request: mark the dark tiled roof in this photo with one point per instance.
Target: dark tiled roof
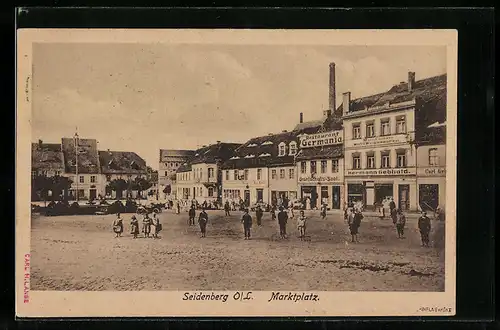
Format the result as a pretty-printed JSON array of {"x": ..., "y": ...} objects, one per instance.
[
  {"x": 330, "y": 152},
  {"x": 263, "y": 145},
  {"x": 47, "y": 156},
  {"x": 88, "y": 158},
  {"x": 121, "y": 162},
  {"x": 175, "y": 155},
  {"x": 186, "y": 167},
  {"x": 310, "y": 126},
  {"x": 212, "y": 154},
  {"x": 431, "y": 136},
  {"x": 424, "y": 90}
]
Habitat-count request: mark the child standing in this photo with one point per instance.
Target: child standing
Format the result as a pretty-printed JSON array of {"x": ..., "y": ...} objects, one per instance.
[
  {"x": 301, "y": 225},
  {"x": 146, "y": 225},
  {"x": 118, "y": 226},
  {"x": 134, "y": 226}
]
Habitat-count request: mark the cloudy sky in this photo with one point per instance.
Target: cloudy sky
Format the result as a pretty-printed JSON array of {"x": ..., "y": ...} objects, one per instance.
[{"x": 143, "y": 97}]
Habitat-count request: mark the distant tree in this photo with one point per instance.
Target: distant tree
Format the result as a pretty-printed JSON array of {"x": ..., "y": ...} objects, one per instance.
[
  {"x": 60, "y": 186},
  {"x": 118, "y": 186},
  {"x": 57, "y": 185},
  {"x": 141, "y": 184}
]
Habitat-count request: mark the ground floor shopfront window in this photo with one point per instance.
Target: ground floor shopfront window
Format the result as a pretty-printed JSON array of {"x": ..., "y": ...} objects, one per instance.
[
  {"x": 428, "y": 196},
  {"x": 355, "y": 193},
  {"x": 309, "y": 196}
]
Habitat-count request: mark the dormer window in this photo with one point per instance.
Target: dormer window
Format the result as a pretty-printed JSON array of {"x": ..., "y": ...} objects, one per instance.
[
  {"x": 267, "y": 143},
  {"x": 282, "y": 149},
  {"x": 196, "y": 155},
  {"x": 252, "y": 145},
  {"x": 249, "y": 156},
  {"x": 234, "y": 157},
  {"x": 293, "y": 148},
  {"x": 265, "y": 155}
]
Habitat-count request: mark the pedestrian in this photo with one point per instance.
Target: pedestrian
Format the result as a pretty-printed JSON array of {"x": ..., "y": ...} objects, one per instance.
[
  {"x": 192, "y": 215},
  {"x": 424, "y": 225},
  {"x": 291, "y": 214},
  {"x": 246, "y": 220},
  {"x": 354, "y": 223},
  {"x": 227, "y": 207},
  {"x": 178, "y": 207},
  {"x": 394, "y": 215},
  {"x": 157, "y": 224},
  {"x": 282, "y": 220},
  {"x": 258, "y": 214},
  {"x": 323, "y": 211},
  {"x": 118, "y": 225},
  {"x": 146, "y": 225},
  {"x": 392, "y": 205},
  {"x": 301, "y": 225},
  {"x": 273, "y": 212},
  {"x": 400, "y": 222},
  {"x": 202, "y": 221},
  {"x": 134, "y": 226}
]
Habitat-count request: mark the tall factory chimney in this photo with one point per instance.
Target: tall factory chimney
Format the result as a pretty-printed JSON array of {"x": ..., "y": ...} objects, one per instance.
[
  {"x": 301, "y": 118},
  {"x": 331, "y": 93},
  {"x": 346, "y": 103}
]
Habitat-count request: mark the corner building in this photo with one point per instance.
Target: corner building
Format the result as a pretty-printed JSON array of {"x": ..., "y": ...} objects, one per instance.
[{"x": 379, "y": 131}]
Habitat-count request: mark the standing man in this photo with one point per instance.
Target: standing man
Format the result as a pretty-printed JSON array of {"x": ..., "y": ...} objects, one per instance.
[
  {"x": 192, "y": 215},
  {"x": 424, "y": 225},
  {"x": 202, "y": 221},
  {"x": 400, "y": 223},
  {"x": 282, "y": 220},
  {"x": 246, "y": 220},
  {"x": 392, "y": 205},
  {"x": 227, "y": 208},
  {"x": 258, "y": 214}
]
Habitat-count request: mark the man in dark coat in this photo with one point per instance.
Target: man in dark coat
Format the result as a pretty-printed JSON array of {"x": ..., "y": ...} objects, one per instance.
[
  {"x": 246, "y": 220},
  {"x": 192, "y": 215},
  {"x": 424, "y": 225},
  {"x": 227, "y": 207},
  {"x": 202, "y": 220},
  {"x": 282, "y": 220},
  {"x": 258, "y": 214},
  {"x": 392, "y": 205}
]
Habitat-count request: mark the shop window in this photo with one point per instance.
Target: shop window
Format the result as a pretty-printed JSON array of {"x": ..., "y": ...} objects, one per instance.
[
  {"x": 356, "y": 162},
  {"x": 302, "y": 167},
  {"x": 282, "y": 173},
  {"x": 370, "y": 129},
  {"x": 401, "y": 158},
  {"x": 273, "y": 175},
  {"x": 291, "y": 173},
  {"x": 259, "y": 173},
  {"x": 335, "y": 166},
  {"x": 356, "y": 131},
  {"x": 385, "y": 127},
  {"x": 323, "y": 166},
  {"x": 386, "y": 160},
  {"x": 293, "y": 148},
  {"x": 400, "y": 125},
  {"x": 433, "y": 157},
  {"x": 370, "y": 161}
]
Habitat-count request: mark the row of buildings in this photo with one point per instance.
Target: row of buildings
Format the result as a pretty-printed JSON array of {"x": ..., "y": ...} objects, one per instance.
[
  {"x": 91, "y": 170},
  {"x": 390, "y": 144}
]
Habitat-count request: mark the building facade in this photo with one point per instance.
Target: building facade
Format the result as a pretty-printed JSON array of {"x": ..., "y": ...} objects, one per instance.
[{"x": 170, "y": 161}]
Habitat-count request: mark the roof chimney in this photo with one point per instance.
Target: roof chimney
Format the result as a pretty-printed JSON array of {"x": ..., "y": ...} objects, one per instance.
[
  {"x": 331, "y": 96},
  {"x": 411, "y": 81},
  {"x": 346, "y": 103},
  {"x": 301, "y": 118},
  {"x": 218, "y": 142}
]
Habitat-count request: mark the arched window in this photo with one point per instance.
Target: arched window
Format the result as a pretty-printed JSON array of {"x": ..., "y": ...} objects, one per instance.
[
  {"x": 293, "y": 148},
  {"x": 281, "y": 149}
]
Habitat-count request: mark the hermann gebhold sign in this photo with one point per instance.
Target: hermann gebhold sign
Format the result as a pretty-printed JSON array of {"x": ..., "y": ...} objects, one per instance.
[{"x": 321, "y": 139}]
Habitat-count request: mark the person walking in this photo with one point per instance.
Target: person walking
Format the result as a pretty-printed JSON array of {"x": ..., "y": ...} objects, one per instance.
[
  {"x": 258, "y": 214},
  {"x": 424, "y": 225},
  {"x": 323, "y": 211},
  {"x": 400, "y": 223},
  {"x": 192, "y": 215},
  {"x": 354, "y": 223},
  {"x": 227, "y": 207},
  {"x": 246, "y": 220},
  {"x": 134, "y": 226},
  {"x": 177, "y": 207},
  {"x": 301, "y": 225},
  {"x": 273, "y": 212},
  {"x": 394, "y": 216},
  {"x": 118, "y": 226},
  {"x": 392, "y": 205},
  {"x": 202, "y": 221},
  {"x": 282, "y": 220},
  {"x": 146, "y": 225},
  {"x": 157, "y": 225}
]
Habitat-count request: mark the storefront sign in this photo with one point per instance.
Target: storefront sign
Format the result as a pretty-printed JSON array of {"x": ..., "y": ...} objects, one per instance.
[
  {"x": 321, "y": 139},
  {"x": 379, "y": 141},
  {"x": 431, "y": 171},
  {"x": 320, "y": 179},
  {"x": 382, "y": 172}
]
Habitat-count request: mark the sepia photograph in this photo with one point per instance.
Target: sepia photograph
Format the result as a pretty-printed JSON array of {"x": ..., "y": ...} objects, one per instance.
[{"x": 239, "y": 166}]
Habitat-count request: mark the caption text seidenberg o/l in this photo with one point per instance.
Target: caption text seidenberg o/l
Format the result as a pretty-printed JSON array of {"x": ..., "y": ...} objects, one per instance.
[{"x": 241, "y": 296}]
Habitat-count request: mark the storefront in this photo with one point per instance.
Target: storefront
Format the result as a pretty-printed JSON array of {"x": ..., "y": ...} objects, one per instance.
[{"x": 327, "y": 190}]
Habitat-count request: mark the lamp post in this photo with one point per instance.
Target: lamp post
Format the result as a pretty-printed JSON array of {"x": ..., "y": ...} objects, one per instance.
[
  {"x": 76, "y": 164},
  {"x": 410, "y": 138}
]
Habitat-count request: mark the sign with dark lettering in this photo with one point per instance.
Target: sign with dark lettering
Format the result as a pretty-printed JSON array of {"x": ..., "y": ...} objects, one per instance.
[
  {"x": 376, "y": 141},
  {"x": 432, "y": 171},
  {"x": 321, "y": 139},
  {"x": 382, "y": 172},
  {"x": 320, "y": 179}
]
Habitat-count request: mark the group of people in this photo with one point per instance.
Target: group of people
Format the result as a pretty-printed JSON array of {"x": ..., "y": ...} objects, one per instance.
[{"x": 147, "y": 224}]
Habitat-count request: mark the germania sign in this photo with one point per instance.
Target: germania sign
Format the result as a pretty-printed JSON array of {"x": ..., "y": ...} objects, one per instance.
[{"x": 321, "y": 139}]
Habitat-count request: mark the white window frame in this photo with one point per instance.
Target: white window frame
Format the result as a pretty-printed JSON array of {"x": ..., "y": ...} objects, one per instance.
[
  {"x": 323, "y": 166},
  {"x": 401, "y": 159},
  {"x": 282, "y": 173},
  {"x": 236, "y": 175},
  {"x": 370, "y": 159},
  {"x": 356, "y": 131},
  {"x": 81, "y": 179},
  {"x": 93, "y": 179},
  {"x": 315, "y": 167},
  {"x": 259, "y": 174},
  {"x": 291, "y": 173},
  {"x": 245, "y": 174},
  {"x": 282, "y": 149},
  {"x": 401, "y": 125},
  {"x": 293, "y": 148},
  {"x": 211, "y": 172},
  {"x": 383, "y": 163},
  {"x": 335, "y": 166},
  {"x": 385, "y": 123},
  {"x": 370, "y": 130},
  {"x": 274, "y": 174},
  {"x": 303, "y": 167},
  {"x": 433, "y": 158},
  {"x": 356, "y": 162},
  {"x": 210, "y": 192}
]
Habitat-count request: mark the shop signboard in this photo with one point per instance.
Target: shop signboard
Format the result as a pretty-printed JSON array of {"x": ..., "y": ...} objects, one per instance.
[
  {"x": 432, "y": 171},
  {"x": 321, "y": 179},
  {"x": 378, "y": 141},
  {"x": 321, "y": 139},
  {"x": 382, "y": 172}
]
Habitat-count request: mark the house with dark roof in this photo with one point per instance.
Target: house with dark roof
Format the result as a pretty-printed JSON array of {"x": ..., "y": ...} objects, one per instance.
[
  {"x": 200, "y": 177},
  {"x": 46, "y": 159},
  {"x": 125, "y": 165},
  {"x": 382, "y": 133},
  {"x": 170, "y": 161}
]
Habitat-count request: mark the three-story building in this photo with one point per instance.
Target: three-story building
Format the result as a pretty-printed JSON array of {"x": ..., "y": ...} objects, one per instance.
[{"x": 170, "y": 161}]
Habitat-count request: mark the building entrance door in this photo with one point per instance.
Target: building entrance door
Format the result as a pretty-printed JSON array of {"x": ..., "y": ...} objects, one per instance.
[
  {"x": 260, "y": 195},
  {"x": 404, "y": 197},
  {"x": 336, "y": 197},
  {"x": 92, "y": 194}
]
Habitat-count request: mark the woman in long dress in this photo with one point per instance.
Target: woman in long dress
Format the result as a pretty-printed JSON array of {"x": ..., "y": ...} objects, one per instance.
[
  {"x": 118, "y": 225},
  {"x": 146, "y": 225},
  {"x": 134, "y": 226}
]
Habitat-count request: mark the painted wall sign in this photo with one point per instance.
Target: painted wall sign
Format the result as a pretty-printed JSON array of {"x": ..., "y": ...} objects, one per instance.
[
  {"x": 321, "y": 139},
  {"x": 382, "y": 172},
  {"x": 432, "y": 171},
  {"x": 320, "y": 179},
  {"x": 379, "y": 141}
]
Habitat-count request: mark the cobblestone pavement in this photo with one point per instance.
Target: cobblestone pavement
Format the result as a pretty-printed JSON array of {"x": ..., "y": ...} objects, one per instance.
[{"x": 81, "y": 253}]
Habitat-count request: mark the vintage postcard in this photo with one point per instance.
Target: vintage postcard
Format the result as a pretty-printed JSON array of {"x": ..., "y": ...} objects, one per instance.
[{"x": 236, "y": 173}]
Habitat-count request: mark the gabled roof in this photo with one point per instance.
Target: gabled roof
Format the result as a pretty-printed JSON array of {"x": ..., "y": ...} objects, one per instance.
[
  {"x": 88, "y": 158},
  {"x": 175, "y": 155},
  {"x": 121, "y": 162},
  {"x": 328, "y": 152},
  {"x": 263, "y": 151},
  {"x": 310, "y": 126},
  {"x": 47, "y": 156},
  {"x": 212, "y": 154},
  {"x": 431, "y": 136}
]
